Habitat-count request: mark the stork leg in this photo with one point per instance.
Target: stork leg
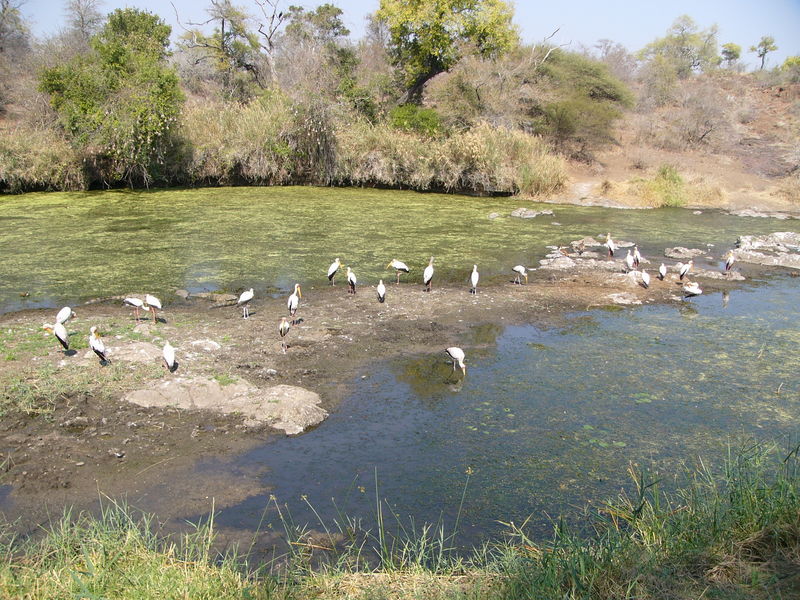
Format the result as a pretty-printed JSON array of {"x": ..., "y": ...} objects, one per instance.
[
  {"x": 136, "y": 312},
  {"x": 283, "y": 346},
  {"x": 398, "y": 278}
]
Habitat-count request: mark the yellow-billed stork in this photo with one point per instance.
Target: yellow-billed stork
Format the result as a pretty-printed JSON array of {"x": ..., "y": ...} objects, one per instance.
[
  {"x": 154, "y": 304},
  {"x": 637, "y": 257},
  {"x": 399, "y": 266},
  {"x": 294, "y": 300},
  {"x": 691, "y": 288},
  {"x": 684, "y": 270},
  {"x": 456, "y": 354},
  {"x": 730, "y": 258},
  {"x": 333, "y": 269},
  {"x": 168, "y": 353},
  {"x": 645, "y": 279},
  {"x": 427, "y": 275},
  {"x": 65, "y": 314},
  {"x": 283, "y": 329},
  {"x": 60, "y": 332},
  {"x": 381, "y": 289},
  {"x": 629, "y": 261},
  {"x": 244, "y": 302},
  {"x": 662, "y": 271},
  {"x": 609, "y": 243},
  {"x": 137, "y": 305},
  {"x": 520, "y": 271},
  {"x": 473, "y": 280},
  {"x": 351, "y": 281},
  {"x": 96, "y": 344}
]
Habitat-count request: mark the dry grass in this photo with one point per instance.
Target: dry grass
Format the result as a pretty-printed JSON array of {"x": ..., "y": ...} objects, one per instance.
[
  {"x": 664, "y": 187},
  {"x": 38, "y": 159}
]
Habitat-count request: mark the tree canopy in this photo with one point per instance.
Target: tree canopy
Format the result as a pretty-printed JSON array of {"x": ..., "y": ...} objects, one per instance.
[
  {"x": 685, "y": 47},
  {"x": 428, "y": 37},
  {"x": 765, "y": 45}
]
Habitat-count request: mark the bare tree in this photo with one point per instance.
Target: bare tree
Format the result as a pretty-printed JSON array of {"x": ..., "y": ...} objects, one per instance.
[{"x": 84, "y": 17}]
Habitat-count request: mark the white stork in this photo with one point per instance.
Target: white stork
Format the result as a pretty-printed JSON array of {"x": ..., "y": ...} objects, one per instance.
[
  {"x": 169, "y": 357},
  {"x": 154, "y": 304},
  {"x": 64, "y": 315},
  {"x": 332, "y": 270},
  {"x": 399, "y": 266},
  {"x": 685, "y": 269},
  {"x": 96, "y": 344},
  {"x": 381, "y": 289},
  {"x": 244, "y": 302},
  {"x": 691, "y": 288},
  {"x": 645, "y": 279},
  {"x": 351, "y": 281},
  {"x": 520, "y": 271},
  {"x": 473, "y": 280},
  {"x": 60, "y": 332},
  {"x": 456, "y": 354},
  {"x": 662, "y": 271},
  {"x": 283, "y": 329},
  {"x": 427, "y": 275},
  {"x": 294, "y": 301}
]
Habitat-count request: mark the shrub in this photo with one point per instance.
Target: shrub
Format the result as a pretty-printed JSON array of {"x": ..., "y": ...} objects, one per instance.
[{"x": 411, "y": 117}]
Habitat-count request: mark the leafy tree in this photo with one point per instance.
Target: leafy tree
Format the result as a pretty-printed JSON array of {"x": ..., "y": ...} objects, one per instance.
[
  {"x": 428, "y": 37},
  {"x": 731, "y": 53},
  {"x": 323, "y": 24},
  {"x": 791, "y": 67},
  {"x": 685, "y": 47},
  {"x": 764, "y": 47},
  {"x": 120, "y": 101}
]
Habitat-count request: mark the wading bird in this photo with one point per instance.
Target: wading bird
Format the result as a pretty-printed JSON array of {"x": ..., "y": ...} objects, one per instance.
[
  {"x": 662, "y": 271},
  {"x": 283, "y": 329},
  {"x": 381, "y": 291},
  {"x": 691, "y": 288},
  {"x": 169, "y": 357},
  {"x": 60, "y": 332},
  {"x": 137, "y": 305},
  {"x": 427, "y": 275},
  {"x": 629, "y": 261},
  {"x": 520, "y": 271},
  {"x": 244, "y": 302},
  {"x": 154, "y": 304},
  {"x": 332, "y": 270},
  {"x": 473, "y": 280},
  {"x": 457, "y": 356},
  {"x": 96, "y": 344},
  {"x": 645, "y": 279},
  {"x": 685, "y": 269},
  {"x": 294, "y": 301},
  {"x": 399, "y": 266},
  {"x": 64, "y": 315},
  {"x": 637, "y": 258},
  {"x": 730, "y": 258},
  {"x": 609, "y": 243},
  {"x": 351, "y": 281}
]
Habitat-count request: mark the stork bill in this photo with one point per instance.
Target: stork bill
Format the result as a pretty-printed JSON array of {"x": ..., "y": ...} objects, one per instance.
[
  {"x": 332, "y": 270},
  {"x": 399, "y": 266},
  {"x": 691, "y": 288},
  {"x": 283, "y": 329},
  {"x": 645, "y": 279},
  {"x": 456, "y": 354},
  {"x": 473, "y": 280},
  {"x": 294, "y": 300},
  {"x": 244, "y": 302},
  {"x": 684, "y": 269},
  {"x": 65, "y": 314},
  {"x": 97, "y": 345},
  {"x": 629, "y": 262},
  {"x": 427, "y": 275},
  {"x": 60, "y": 332},
  {"x": 137, "y": 305},
  {"x": 662, "y": 271},
  {"x": 520, "y": 271},
  {"x": 351, "y": 281},
  {"x": 168, "y": 352},
  {"x": 154, "y": 304},
  {"x": 381, "y": 289}
]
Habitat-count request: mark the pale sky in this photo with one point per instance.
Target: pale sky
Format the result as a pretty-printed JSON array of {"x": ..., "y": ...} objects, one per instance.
[{"x": 631, "y": 23}]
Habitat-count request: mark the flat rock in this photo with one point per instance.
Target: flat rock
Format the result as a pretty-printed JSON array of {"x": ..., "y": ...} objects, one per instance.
[
  {"x": 681, "y": 253},
  {"x": 137, "y": 352},
  {"x": 749, "y": 212},
  {"x": 624, "y": 298},
  {"x": 205, "y": 345},
  {"x": 780, "y": 249},
  {"x": 289, "y": 408},
  {"x": 527, "y": 213}
]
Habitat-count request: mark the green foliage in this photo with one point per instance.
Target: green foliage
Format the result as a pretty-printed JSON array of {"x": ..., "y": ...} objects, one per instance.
[
  {"x": 323, "y": 24},
  {"x": 791, "y": 69},
  {"x": 428, "y": 37},
  {"x": 411, "y": 117},
  {"x": 765, "y": 45},
  {"x": 685, "y": 47},
  {"x": 731, "y": 53},
  {"x": 120, "y": 101}
]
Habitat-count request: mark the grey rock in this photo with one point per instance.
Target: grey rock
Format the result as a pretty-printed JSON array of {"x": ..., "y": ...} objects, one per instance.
[
  {"x": 493, "y": 215},
  {"x": 681, "y": 253},
  {"x": 780, "y": 249}
]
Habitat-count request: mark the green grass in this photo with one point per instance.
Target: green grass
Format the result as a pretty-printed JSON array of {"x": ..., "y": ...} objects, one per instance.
[{"x": 732, "y": 533}]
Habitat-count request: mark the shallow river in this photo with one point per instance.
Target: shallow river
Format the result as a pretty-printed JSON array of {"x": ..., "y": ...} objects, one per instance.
[{"x": 545, "y": 419}]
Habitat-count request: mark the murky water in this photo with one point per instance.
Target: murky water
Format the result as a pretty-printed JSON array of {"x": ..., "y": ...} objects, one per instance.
[
  {"x": 68, "y": 248},
  {"x": 545, "y": 419}
]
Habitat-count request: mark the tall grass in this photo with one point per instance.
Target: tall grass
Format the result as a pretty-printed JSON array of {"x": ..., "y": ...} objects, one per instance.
[
  {"x": 732, "y": 533},
  {"x": 38, "y": 159}
]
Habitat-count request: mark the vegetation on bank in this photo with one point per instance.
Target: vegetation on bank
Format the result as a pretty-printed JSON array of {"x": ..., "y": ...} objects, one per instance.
[
  {"x": 727, "y": 533},
  {"x": 438, "y": 95}
]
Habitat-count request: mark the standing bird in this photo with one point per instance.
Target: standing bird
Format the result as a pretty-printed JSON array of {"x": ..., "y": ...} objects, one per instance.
[
  {"x": 399, "y": 266},
  {"x": 662, "y": 271},
  {"x": 60, "y": 332},
  {"x": 637, "y": 257},
  {"x": 457, "y": 356},
  {"x": 154, "y": 304},
  {"x": 351, "y": 281},
  {"x": 381, "y": 292},
  {"x": 332, "y": 270},
  {"x": 169, "y": 357},
  {"x": 244, "y": 302},
  {"x": 609, "y": 243},
  {"x": 645, "y": 279},
  {"x": 729, "y": 260},
  {"x": 65, "y": 314},
  {"x": 629, "y": 261},
  {"x": 427, "y": 275},
  {"x": 96, "y": 344},
  {"x": 520, "y": 271},
  {"x": 283, "y": 329},
  {"x": 473, "y": 280},
  {"x": 294, "y": 301},
  {"x": 137, "y": 305},
  {"x": 691, "y": 288},
  {"x": 685, "y": 269}
]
